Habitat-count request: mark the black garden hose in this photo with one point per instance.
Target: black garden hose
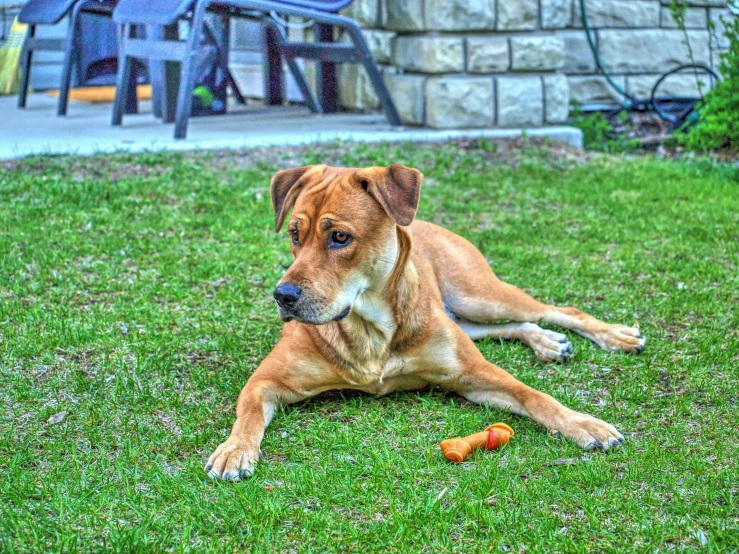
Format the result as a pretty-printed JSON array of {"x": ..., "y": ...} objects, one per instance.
[{"x": 684, "y": 107}]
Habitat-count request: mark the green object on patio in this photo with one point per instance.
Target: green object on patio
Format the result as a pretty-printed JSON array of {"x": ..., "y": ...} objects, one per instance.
[
  {"x": 10, "y": 54},
  {"x": 205, "y": 95}
]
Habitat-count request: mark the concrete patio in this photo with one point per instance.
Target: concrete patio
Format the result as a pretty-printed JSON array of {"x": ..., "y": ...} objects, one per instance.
[{"x": 87, "y": 129}]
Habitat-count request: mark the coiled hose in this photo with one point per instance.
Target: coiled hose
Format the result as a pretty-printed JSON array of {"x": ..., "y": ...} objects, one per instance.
[{"x": 654, "y": 102}]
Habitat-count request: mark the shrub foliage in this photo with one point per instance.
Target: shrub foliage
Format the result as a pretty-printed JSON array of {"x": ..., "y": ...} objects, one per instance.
[{"x": 718, "y": 125}]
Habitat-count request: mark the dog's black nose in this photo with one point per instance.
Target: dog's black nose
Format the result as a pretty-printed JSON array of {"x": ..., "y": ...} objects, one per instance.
[{"x": 287, "y": 295}]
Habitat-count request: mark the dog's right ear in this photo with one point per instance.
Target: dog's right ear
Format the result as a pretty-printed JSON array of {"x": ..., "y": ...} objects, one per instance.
[
  {"x": 284, "y": 188},
  {"x": 396, "y": 188}
]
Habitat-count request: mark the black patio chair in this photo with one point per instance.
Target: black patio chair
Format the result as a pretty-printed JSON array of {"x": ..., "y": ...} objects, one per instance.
[
  {"x": 130, "y": 14},
  {"x": 51, "y": 12}
]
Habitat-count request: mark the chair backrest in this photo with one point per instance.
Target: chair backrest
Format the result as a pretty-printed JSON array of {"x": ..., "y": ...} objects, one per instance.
[
  {"x": 51, "y": 12},
  {"x": 322, "y": 5},
  {"x": 150, "y": 12},
  {"x": 45, "y": 12},
  {"x": 164, "y": 12}
]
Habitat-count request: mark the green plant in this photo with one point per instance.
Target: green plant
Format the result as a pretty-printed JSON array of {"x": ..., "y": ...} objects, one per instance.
[
  {"x": 487, "y": 145},
  {"x": 598, "y": 134},
  {"x": 718, "y": 123},
  {"x": 678, "y": 11}
]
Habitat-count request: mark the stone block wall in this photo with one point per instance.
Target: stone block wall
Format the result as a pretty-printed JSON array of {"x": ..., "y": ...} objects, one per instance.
[
  {"x": 518, "y": 63},
  {"x": 637, "y": 41}
]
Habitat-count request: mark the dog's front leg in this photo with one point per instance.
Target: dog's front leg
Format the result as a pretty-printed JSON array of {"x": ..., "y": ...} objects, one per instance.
[
  {"x": 290, "y": 373},
  {"x": 238, "y": 456}
]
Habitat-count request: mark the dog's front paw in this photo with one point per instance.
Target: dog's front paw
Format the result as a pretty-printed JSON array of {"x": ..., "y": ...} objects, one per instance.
[
  {"x": 233, "y": 460},
  {"x": 621, "y": 337},
  {"x": 590, "y": 432}
]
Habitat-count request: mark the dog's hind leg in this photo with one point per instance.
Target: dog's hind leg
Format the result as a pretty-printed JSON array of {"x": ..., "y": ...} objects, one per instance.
[
  {"x": 506, "y": 302},
  {"x": 472, "y": 292},
  {"x": 548, "y": 346}
]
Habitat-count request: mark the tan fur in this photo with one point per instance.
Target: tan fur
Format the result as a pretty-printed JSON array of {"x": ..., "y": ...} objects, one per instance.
[{"x": 400, "y": 283}]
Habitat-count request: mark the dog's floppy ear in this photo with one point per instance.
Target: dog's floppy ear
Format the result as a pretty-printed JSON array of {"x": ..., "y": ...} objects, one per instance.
[
  {"x": 397, "y": 189},
  {"x": 284, "y": 188}
]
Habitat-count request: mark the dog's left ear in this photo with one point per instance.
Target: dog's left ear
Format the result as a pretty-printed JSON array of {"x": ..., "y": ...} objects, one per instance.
[
  {"x": 397, "y": 189},
  {"x": 284, "y": 188}
]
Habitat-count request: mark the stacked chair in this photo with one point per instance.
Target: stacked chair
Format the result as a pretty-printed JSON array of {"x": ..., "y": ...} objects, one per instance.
[
  {"x": 51, "y": 12},
  {"x": 149, "y": 35},
  {"x": 171, "y": 15}
]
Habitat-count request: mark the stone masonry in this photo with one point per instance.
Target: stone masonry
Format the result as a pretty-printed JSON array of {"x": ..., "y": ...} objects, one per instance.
[{"x": 519, "y": 63}]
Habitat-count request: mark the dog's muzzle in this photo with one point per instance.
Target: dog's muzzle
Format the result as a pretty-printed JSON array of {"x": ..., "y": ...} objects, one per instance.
[
  {"x": 296, "y": 303},
  {"x": 287, "y": 297}
]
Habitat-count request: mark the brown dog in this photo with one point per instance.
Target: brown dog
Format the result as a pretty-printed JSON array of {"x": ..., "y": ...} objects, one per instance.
[{"x": 368, "y": 307}]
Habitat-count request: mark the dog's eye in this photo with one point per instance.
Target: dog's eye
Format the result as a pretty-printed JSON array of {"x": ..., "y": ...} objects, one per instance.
[
  {"x": 338, "y": 239},
  {"x": 294, "y": 236}
]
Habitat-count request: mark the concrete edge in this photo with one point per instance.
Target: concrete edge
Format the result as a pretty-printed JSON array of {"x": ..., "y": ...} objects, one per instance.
[{"x": 562, "y": 134}]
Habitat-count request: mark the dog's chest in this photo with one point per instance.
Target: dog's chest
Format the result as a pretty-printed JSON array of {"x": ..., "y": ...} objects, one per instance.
[
  {"x": 369, "y": 330},
  {"x": 370, "y": 362},
  {"x": 365, "y": 343},
  {"x": 375, "y": 376}
]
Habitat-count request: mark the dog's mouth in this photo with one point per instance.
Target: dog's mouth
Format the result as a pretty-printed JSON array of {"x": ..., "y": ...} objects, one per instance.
[
  {"x": 343, "y": 314},
  {"x": 311, "y": 319}
]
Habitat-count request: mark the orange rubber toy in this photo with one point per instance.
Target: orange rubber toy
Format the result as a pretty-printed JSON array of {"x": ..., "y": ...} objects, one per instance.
[{"x": 492, "y": 438}]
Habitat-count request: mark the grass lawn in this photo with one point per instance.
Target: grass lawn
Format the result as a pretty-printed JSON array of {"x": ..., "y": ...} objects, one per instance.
[{"x": 135, "y": 298}]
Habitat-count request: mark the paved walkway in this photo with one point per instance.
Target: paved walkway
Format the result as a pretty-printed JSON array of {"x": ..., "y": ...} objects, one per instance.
[{"x": 87, "y": 130}]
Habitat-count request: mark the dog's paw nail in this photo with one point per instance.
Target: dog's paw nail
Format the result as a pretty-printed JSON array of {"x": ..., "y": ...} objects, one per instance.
[
  {"x": 563, "y": 340},
  {"x": 639, "y": 336},
  {"x": 207, "y": 467}
]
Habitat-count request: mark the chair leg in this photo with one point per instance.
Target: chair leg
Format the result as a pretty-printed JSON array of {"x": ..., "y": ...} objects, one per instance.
[
  {"x": 156, "y": 79},
  {"x": 223, "y": 60},
  {"x": 234, "y": 87},
  {"x": 187, "y": 77},
  {"x": 70, "y": 57},
  {"x": 172, "y": 71},
  {"x": 297, "y": 73},
  {"x": 123, "y": 77},
  {"x": 304, "y": 87},
  {"x": 156, "y": 73},
  {"x": 273, "y": 85},
  {"x": 326, "y": 78},
  {"x": 374, "y": 74},
  {"x": 132, "y": 98},
  {"x": 26, "y": 66}
]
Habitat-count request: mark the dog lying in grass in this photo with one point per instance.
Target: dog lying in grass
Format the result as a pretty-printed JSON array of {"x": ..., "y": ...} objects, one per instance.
[{"x": 378, "y": 302}]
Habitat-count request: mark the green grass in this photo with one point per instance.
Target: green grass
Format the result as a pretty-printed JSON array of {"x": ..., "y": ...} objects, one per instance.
[{"x": 135, "y": 296}]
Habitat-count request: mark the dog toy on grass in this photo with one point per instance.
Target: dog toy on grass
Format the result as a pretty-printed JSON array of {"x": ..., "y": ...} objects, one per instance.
[{"x": 492, "y": 438}]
